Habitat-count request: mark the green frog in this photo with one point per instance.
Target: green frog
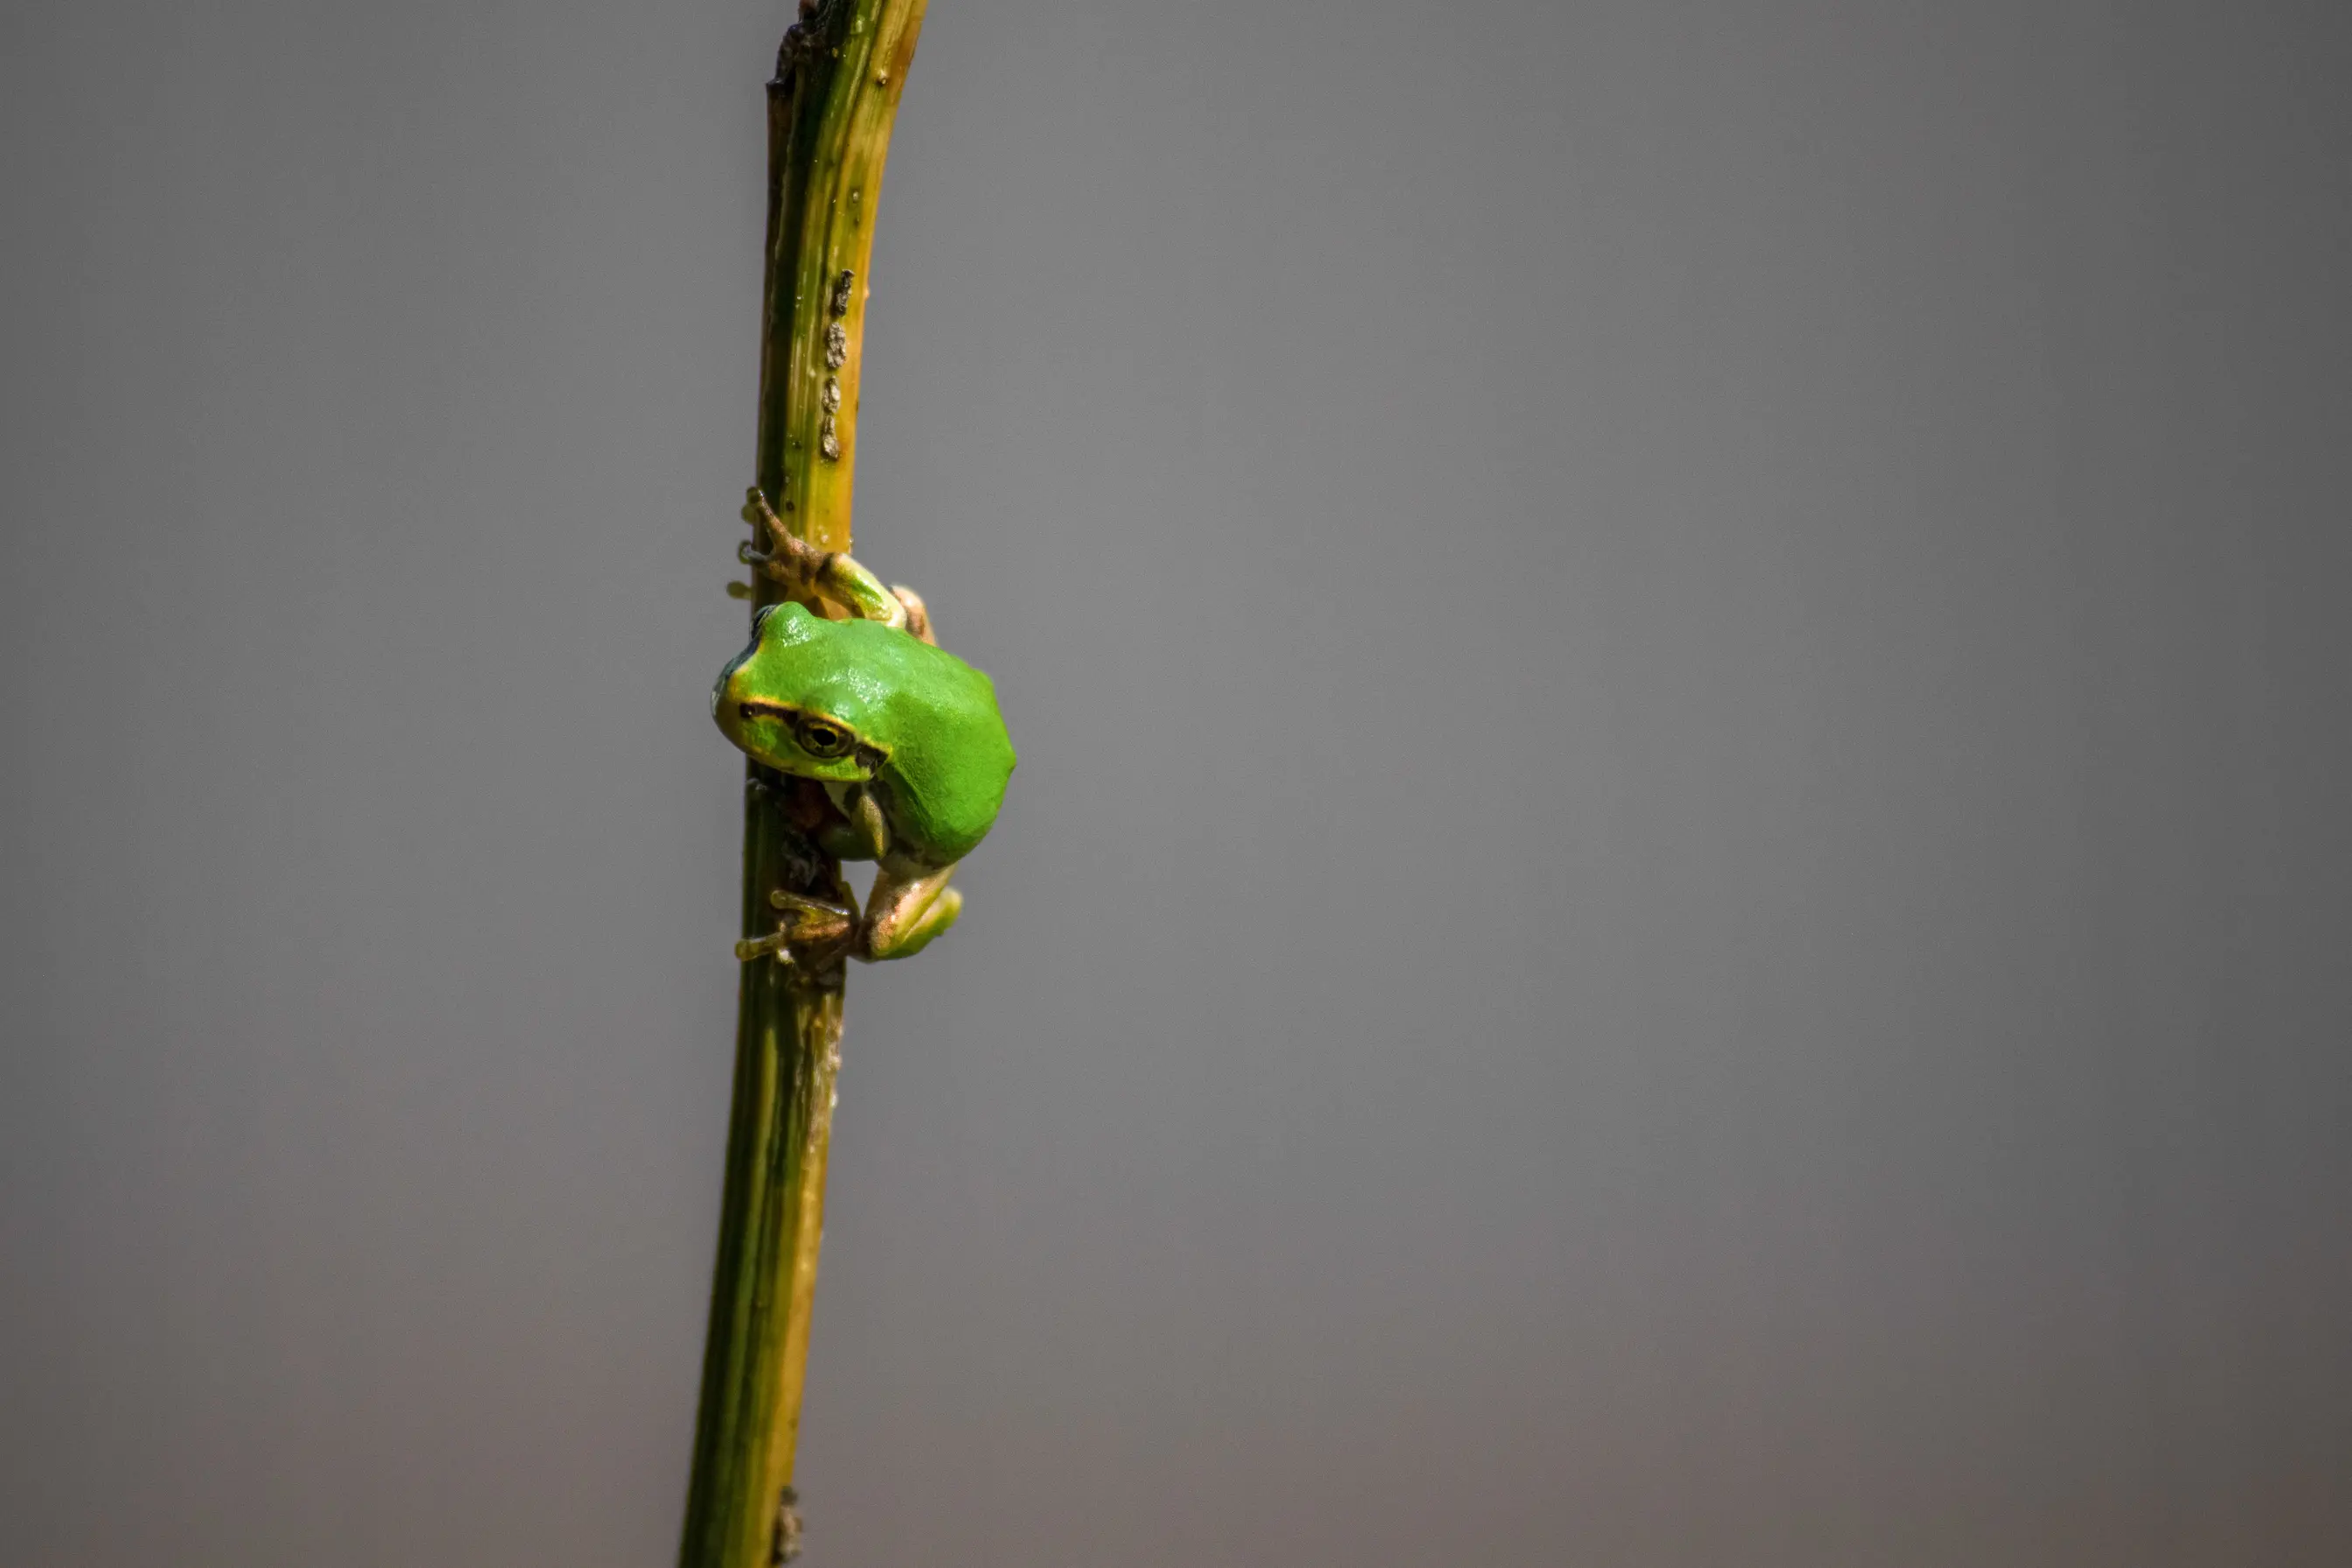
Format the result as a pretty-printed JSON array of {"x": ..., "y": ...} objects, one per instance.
[{"x": 904, "y": 738}]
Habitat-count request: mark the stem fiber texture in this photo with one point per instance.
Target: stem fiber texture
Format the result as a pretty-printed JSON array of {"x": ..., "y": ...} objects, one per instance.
[{"x": 830, "y": 111}]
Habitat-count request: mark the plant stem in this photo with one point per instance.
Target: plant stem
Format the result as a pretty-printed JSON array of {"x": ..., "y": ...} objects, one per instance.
[{"x": 830, "y": 109}]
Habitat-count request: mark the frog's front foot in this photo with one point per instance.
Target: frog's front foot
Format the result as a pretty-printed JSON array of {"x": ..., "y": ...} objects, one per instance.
[
  {"x": 808, "y": 930},
  {"x": 809, "y": 574},
  {"x": 786, "y": 560}
]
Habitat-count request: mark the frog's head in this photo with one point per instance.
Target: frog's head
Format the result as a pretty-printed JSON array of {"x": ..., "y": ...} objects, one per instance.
[{"x": 781, "y": 700}]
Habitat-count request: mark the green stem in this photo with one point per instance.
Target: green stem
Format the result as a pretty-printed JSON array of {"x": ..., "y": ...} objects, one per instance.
[{"x": 830, "y": 111}]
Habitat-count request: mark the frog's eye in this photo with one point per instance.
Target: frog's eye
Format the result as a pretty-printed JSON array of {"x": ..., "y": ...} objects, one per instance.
[{"x": 823, "y": 738}]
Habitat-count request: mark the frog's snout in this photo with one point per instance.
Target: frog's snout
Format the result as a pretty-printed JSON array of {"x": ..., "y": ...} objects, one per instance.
[{"x": 720, "y": 688}]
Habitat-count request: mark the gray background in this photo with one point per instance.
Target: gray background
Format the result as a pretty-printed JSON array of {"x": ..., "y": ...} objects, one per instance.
[{"x": 1677, "y": 893}]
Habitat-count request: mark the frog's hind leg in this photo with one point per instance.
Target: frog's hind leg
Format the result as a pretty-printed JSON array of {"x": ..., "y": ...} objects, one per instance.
[
  {"x": 904, "y": 913},
  {"x": 918, "y": 615}
]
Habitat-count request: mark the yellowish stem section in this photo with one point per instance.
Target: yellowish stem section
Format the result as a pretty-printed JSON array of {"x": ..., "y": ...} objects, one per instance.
[{"x": 830, "y": 112}]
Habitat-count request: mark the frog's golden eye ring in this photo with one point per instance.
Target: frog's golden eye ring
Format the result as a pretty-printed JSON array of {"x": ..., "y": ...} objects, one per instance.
[{"x": 823, "y": 738}]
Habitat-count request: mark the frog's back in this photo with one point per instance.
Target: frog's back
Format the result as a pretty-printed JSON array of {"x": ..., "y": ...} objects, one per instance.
[{"x": 948, "y": 755}]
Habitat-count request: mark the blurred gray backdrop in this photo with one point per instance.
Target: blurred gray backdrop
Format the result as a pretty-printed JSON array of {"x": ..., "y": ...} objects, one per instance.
[{"x": 1678, "y": 888}]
